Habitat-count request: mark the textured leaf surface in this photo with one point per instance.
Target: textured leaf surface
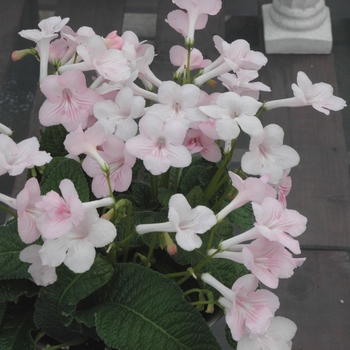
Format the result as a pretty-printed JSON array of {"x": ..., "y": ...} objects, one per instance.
[
  {"x": 65, "y": 168},
  {"x": 57, "y": 302},
  {"x": 16, "y": 327},
  {"x": 146, "y": 311},
  {"x": 10, "y": 247},
  {"x": 52, "y": 140},
  {"x": 11, "y": 290}
]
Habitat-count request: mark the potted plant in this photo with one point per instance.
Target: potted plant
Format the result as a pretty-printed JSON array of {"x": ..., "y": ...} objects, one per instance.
[{"x": 130, "y": 228}]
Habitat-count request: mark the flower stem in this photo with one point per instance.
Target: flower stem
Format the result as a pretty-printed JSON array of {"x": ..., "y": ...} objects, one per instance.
[
  {"x": 64, "y": 345},
  {"x": 128, "y": 230},
  {"x": 151, "y": 248},
  {"x": 8, "y": 211},
  {"x": 154, "y": 186},
  {"x": 213, "y": 186}
]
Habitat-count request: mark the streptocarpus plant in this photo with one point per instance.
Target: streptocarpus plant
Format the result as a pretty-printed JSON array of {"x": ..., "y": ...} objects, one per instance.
[{"x": 126, "y": 233}]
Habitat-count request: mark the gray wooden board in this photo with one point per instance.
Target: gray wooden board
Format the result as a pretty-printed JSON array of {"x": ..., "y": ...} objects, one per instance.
[
  {"x": 317, "y": 299},
  {"x": 321, "y": 181}
]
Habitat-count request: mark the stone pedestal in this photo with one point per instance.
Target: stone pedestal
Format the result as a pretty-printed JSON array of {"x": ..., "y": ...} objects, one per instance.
[{"x": 297, "y": 26}]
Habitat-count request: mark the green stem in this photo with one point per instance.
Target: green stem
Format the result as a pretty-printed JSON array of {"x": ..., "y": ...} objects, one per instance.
[
  {"x": 39, "y": 336},
  {"x": 176, "y": 274},
  {"x": 177, "y": 177},
  {"x": 8, "y": 211},
  {"x": 154, "y": 186},
  {"x": 188, "y": 66},
  {"x": 164, "y": 181},
  {"x": 128, "y": 230},
  {"x": 212, "y": 232},
  {"x": 196, "y": 290},
  {"x": 262, "y": 110},
  {"x": 222, "y": 198},
  {"x": 197, "y": 268},
  {"x": 212, "y": 188},
  {"x": 151, "y": 248}
]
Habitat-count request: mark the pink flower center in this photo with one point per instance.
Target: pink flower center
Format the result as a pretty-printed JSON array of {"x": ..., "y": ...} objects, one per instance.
[{"x": 161, "y": 143}]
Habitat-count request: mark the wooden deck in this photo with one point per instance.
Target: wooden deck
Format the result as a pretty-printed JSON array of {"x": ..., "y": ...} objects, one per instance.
[{"x": 317, "y": 297}]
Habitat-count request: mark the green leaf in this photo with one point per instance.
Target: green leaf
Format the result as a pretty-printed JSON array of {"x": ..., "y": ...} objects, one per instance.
[
  {"x": 11, "y": 290},
  {"x": 11, "y": 245},
  {"x": 144, "y": 310},
  {"x": 52, "y": 140},
  {"x": 56, "y": 303},
  {"x": 141, "y": 193},
  {"x": 164, "y": 195},
  {"x": 224, "y": 229},
  {"x": 243, "y": 217},
  {"x": 191, "y": 178},
  {"x": 15, "y": 331},
  {"x": 65, "y": 168},
  {"x": 196, "y": 197}
]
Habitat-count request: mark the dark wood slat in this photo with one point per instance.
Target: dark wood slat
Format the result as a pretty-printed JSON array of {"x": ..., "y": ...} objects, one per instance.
[
  {"x": 321, "y": 180},
  {"x": 317, "y": 299},
  {"x": 103, "y": 16}
]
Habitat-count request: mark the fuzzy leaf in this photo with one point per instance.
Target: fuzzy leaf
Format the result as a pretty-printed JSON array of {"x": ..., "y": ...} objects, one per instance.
[
  {"x": 56, "y": 303},
  {"x": 15, "y": 331},
  {"x": 52, "y": 140},
  {"x": 144, "y": 310},
  {"x": 141, "y": 193},
  {"x": 65, "y": 168},
  {"x": 196, "y": 197},
  {"x": 10, "y": 247},
  {"x": 11, "y": 290}
]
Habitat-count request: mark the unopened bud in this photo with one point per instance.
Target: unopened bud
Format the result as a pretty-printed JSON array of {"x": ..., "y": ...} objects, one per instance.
[
  {"x": 171, "y": 247},
  {"x": 108, "y": 216},
  {"x": 19, "y": 54},
  {"x": 212, "y": 83}
]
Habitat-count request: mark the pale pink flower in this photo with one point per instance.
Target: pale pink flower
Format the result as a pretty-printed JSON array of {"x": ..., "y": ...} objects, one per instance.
[
  {"x": 283, "y": 188},
  {"x": 178, "y": 103},
  {"x": 14, "y": 158},
  {"x": 241, "y": 84},
  {"x": 60, "y": 213},
  {"x": 319, "y": 96},
  {"x": 178, "y": 58},
  {"x": 247, "y": 309},
  {"x": 195, "y": 141},
  {"x": 109, "y": 63},
  {"x": 277, "y": 337},
  {"x": 249, "y": 190},
  {"x": 42, "y": 274},
  {"x": 159, "y": 145},
  {"x": 76, "y": 249},
  {"x": 179, "y": 20},
  {"x": 232, "y": 113},
  {"x": 27, "y": 211},
  {"x": 120, "y": 167},
  {"x": 58, "y": 48},
  {"x": 278, "y": 224},
  {"x": 118, "y": 117},
  {"x": 269, "y": 261},
  {"x": 80, "y": 142},
  {"x": 69, "y": 102},
  {"x": 234, "y": 56},
  {"x": 113, "y": 41},
  {"x": 49, "y": 27},
  {"x": 268, "y": 155},
  {"x": 196, "y": 9},
  {"x": 185, "y": 221}
]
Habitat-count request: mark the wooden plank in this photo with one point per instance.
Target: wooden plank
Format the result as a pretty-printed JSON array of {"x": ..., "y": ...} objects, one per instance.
[
  {"x": 321, "y": 180},
  {"x": 103, "y": 16},
  {"x": 318, "y": 300}
]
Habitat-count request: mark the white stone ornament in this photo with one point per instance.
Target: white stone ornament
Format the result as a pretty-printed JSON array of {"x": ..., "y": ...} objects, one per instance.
[{"x": 297, "y": 26}]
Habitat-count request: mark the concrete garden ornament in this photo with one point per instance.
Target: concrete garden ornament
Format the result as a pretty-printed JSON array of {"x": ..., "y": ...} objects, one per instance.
[{"x": 125, "y": 235}]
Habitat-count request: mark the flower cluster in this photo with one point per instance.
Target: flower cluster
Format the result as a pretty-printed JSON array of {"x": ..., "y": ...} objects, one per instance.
[{"x": 151, "y": 148}]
